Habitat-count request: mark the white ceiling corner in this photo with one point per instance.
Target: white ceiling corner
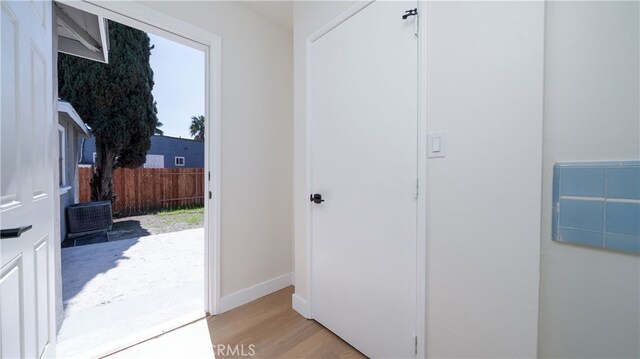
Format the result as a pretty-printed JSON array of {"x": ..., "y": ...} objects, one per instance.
[{"x": 280, "y": 12}]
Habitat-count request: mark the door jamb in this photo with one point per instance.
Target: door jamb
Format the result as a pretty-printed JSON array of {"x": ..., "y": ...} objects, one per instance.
[
  {"x": 149, "y": 20},
  {"x": 421, "y": 230},
  {"x": 421, "y": 245}
]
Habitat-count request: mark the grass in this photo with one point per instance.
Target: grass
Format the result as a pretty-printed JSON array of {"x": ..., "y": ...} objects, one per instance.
[
  {"x": 164, "y": 221},
  {"x": 191, "y": 216}
]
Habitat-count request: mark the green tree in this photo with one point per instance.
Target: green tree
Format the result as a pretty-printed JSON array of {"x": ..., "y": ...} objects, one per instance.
[
  {"x": 158, "y": 131},
  {"x": 115, "y": 100},
  {"x": 197, "y": 127},
  {"x": 159, "y": 124}
]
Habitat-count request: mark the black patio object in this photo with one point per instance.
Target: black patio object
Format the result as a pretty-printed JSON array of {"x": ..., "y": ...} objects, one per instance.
[{"x": 89, "y": 218}]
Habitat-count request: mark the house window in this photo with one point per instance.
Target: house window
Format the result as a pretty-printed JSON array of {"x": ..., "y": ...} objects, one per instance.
[
  {"x": 62, "y": 175},
  {"x": 154, "y": 161},
  {"x": 179, "y": 161}
]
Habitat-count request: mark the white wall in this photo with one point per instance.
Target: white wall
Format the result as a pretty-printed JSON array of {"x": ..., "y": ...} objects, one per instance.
[
  {"x": 257, "y": 135},
  {"x": 589, "y": 298},
  {"x": 484, "y": 88},
  {"x": 484, "y": 69}
]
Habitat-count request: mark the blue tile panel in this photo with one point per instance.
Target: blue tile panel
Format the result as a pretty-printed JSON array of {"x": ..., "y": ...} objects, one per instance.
[
  {"x": 587, "y": 182},
  {"x": 621, "y": 242},
  {"x": 581, "y": 214},
  {"x": 578, "y": 236},
  {"x": 597, "y": 204},
  {"x": 623, "y": 218},
  {"x": 623, "y": 183}
]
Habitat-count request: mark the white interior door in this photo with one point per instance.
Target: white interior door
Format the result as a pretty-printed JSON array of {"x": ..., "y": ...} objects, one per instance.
[
  {"x": 26, "y": 187},
  {"x": 362, "y": 104}
]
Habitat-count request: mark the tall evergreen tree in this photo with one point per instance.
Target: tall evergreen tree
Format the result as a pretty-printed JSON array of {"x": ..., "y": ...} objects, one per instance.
[{"x": 115, "y": 100}]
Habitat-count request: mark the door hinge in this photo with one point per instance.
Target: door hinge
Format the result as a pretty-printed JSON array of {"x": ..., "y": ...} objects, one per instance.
[
  {"x": 209, "y": 194},
  {"x": 415, "y": 344},
  {"x": 417, "y": 188},
  {"x": 209, "y": 174}
]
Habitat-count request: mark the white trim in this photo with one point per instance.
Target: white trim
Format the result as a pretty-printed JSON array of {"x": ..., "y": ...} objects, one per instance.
[
  {"x": 346, "y": 15},
  {"x": 421, "y": 245},
  {"x": 254, "y": 292},
  {"x": 146, "y": 19},
  {"x": 149, "y": 20},
  {"x": 78, "y": 31},
  {"x": 62, "y": 156},
  {"x": 104, "y": 38},
  {"x": 64, "y": 106},
  {"x": 82, "y": 44},
  {"x": 175, "y": 161},
  {"x": 301, "y": 306},
  {"x": 305, "y": 308},
  {"x": 309, "y": 181},
  {"x": 64, "y": 189}
]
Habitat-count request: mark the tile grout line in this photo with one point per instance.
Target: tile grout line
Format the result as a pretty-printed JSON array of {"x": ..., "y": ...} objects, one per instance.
[
  {"x": 604, "y": 208},
  {"x": 558, "y": 234},
  {"x": 600, "y": 199}
]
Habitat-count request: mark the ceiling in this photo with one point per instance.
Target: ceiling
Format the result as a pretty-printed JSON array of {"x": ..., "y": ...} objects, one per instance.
[{"x": 280, "y": 12}]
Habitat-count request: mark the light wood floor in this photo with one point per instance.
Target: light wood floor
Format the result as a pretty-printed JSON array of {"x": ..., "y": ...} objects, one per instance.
[{"x": 276, "y": 331}]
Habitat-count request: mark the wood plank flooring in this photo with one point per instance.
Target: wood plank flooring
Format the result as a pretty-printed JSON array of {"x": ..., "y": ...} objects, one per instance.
[{"x": 275, "y": 330}]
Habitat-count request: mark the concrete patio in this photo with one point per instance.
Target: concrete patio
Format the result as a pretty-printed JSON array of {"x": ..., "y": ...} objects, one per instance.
[{"x": 115, "y": 290}]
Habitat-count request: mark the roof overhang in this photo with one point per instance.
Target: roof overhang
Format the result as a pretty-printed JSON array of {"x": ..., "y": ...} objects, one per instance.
[
  {"x": 67, "y": 112},
  {"x": 81, "y": 33}
]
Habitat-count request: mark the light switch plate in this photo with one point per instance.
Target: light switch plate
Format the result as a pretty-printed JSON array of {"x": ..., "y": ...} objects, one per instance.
[{"x": 436, "y": 144}]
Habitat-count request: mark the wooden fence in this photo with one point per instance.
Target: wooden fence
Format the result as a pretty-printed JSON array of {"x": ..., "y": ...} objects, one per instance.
[{"x": 143, "y": 190}]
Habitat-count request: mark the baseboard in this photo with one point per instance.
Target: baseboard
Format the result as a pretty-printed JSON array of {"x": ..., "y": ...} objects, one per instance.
[
  {"x": 254, "y": 292},
  {"x": 300, "y": 305}
]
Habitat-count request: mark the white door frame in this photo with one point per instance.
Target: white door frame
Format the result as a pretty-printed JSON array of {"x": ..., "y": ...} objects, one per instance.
[
  {"x": 149, "y": 20},
  {"x": 421, "y": 230}
]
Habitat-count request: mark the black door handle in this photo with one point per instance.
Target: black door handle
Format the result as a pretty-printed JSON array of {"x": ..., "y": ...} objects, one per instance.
[
  {"x": 14, "y": 232},
  {"x": 316, "y": 198}
]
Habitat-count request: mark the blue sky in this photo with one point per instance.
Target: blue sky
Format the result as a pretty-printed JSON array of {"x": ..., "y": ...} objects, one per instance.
[{"x": 178, "y": 73}]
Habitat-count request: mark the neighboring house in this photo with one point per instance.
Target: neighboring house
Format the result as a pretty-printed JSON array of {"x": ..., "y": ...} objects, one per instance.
[
  {"x": 71, "y": 131},
  {"x": 165, "y": 152}
]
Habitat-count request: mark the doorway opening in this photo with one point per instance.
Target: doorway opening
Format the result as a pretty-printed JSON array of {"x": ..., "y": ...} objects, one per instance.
[{"x": 152, "y": 269}]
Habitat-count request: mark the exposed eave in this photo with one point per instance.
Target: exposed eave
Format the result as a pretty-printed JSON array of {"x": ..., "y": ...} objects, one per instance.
[
  {"x": 82, "y": 34},
  {"x": 67, "y": 112}
]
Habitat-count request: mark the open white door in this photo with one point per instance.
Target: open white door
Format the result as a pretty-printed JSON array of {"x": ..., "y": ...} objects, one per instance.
[
  {"x": 363, "y": 120},
  {"x": 27, "y": 184}
]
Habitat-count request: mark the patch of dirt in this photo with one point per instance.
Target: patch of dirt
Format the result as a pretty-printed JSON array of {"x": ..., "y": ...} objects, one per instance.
[{"x": 156, "y": 223}]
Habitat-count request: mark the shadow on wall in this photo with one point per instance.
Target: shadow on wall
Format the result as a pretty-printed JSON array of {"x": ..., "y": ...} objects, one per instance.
[{"x": 81, "y": 264}]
